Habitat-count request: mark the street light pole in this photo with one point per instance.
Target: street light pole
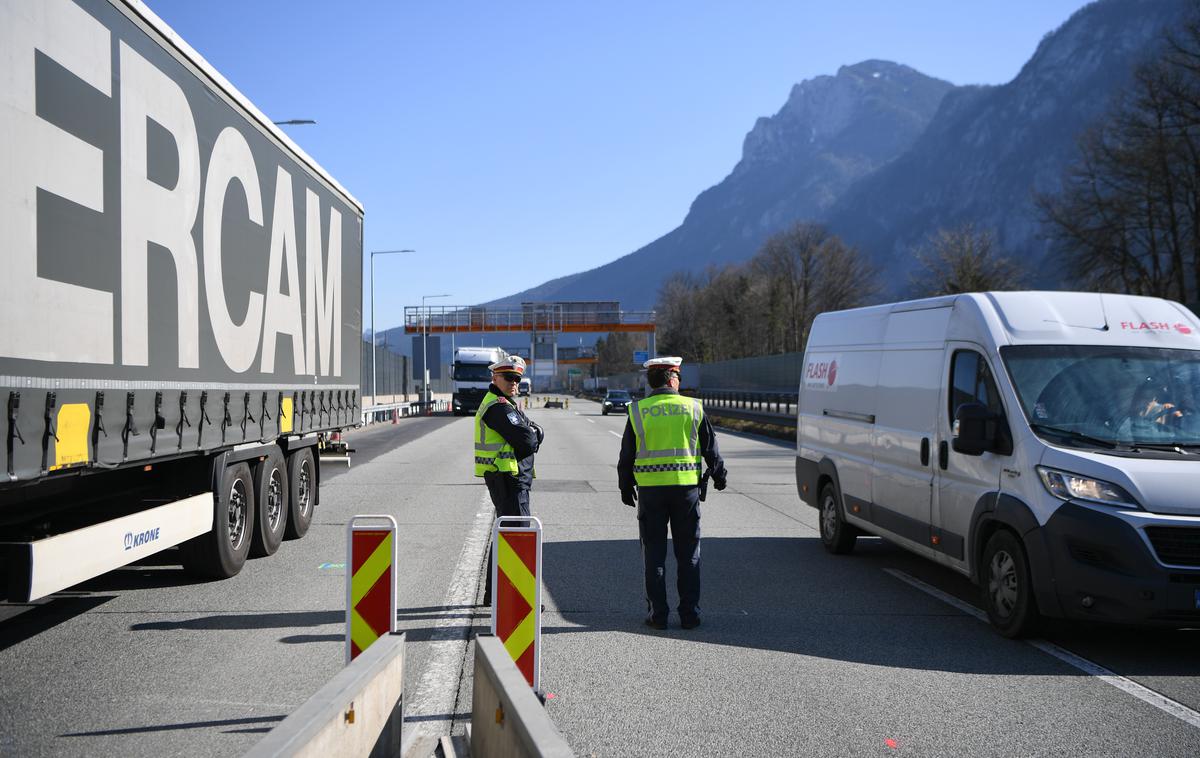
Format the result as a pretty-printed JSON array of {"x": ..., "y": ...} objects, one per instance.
[
  {"x": 424, "y": 345},
  {"x": 374, "y": 394}
]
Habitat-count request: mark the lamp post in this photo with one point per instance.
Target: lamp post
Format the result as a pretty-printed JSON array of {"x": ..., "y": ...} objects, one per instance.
[
  {"x": 424, "y": 347},
  {"x": 374, "y": 394}
]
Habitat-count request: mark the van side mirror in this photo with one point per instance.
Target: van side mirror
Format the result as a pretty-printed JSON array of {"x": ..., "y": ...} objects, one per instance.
[{"x": 974, "y": 430}]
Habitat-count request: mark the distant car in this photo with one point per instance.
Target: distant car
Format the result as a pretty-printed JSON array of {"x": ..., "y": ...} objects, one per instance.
[
  {"x": 615, "y": 400},
  {"x": 524, "y": 387}
]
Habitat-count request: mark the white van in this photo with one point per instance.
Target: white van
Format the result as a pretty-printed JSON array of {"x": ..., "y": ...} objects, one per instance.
[{"x": 1045, "y": 444}]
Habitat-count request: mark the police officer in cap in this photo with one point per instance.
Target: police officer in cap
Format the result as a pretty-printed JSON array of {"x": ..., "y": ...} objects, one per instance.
[
  {"x": 505, "y": 441},
  {"x": 666, "y": 437}
]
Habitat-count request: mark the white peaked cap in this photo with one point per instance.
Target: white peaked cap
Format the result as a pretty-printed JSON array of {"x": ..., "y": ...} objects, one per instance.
[
  {"x": 673, "y": 361},
  {"x": 511, "y": 363}
]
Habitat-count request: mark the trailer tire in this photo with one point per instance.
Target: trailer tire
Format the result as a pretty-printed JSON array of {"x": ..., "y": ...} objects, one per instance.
[
  {"x": 221, "y": 553},
  {"x": 837, "y": 536},
  {"x": 1007, "y": 586},
  {"x": 302, "y": 492},
  {"x": 271, "y": 496}
]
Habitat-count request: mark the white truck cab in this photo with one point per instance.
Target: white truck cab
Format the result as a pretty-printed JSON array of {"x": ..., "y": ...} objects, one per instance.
[
  {"x": 1045, "y": 444},
  {"x": 472, "y": 376}
]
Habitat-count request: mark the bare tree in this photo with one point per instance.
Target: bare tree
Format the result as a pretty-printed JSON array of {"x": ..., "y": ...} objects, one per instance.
[
  {"x": 1128, "y": 217},
  {"x": 677, "y": 314},
  {"x": 767, "y": 305},
  {"x": 614, "y": 353},
  {"x": 807, "y": 270},
  {"x": 964, "y": 259}
]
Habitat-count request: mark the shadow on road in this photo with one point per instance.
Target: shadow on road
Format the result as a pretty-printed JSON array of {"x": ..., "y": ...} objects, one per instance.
[
  {"x": 183, "y": 725},
  {"x": 25, "y": 623},
  {"x": 247, "y": 621},
  {"x": 790, "y": 595}
]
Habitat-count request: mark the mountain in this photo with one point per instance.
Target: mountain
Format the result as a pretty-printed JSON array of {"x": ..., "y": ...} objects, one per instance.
[
  {"x": 988, "y": 150},
  {"x": 831, "y": 131},
  {"x": 885, "y": 156}
]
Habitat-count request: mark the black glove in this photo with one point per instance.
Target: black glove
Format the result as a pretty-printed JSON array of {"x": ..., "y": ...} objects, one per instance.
[
  {"x": 538, "y": 431},
  {"x": 718, "y": 479},
  {"x": 629, "y": 497}
]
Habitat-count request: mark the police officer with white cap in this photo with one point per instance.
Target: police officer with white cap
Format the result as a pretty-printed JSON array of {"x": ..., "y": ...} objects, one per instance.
[
  {"x": 666, "y": 437},
  {"x": 505, "y": 441}
]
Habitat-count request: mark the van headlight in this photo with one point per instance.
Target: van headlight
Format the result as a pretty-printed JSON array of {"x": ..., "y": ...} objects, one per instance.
[{"x": 1067, "y": 486}]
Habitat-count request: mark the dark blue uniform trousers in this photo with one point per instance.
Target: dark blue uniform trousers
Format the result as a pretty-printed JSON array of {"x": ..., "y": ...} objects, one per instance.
[
  {"x": 510, "y": 498},
  {"x": 678, "y": 507}
]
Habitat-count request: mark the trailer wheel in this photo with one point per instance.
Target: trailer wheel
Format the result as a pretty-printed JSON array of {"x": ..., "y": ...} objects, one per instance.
[
  {"x": 1008, "y": 586},
  {"x": 222, "y": 552},
  {"x": 302, "y": 492},
  {"x": 271, "y": 495},
  {"x": 837, "y": 536}
]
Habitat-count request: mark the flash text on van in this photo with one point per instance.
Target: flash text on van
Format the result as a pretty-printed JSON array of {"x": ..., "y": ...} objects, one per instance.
[
  {"x": 821, "y": 373},
  {"x": 1155, "y": 326}
]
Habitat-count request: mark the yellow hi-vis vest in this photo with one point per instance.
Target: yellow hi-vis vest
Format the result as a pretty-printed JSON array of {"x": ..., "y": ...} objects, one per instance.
[
  {"x": 492, "y": 453},
  {"x": 667, "y": 429}
]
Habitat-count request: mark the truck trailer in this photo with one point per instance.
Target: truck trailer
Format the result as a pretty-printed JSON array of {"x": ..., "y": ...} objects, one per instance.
[{"x": 179, "y": 310}]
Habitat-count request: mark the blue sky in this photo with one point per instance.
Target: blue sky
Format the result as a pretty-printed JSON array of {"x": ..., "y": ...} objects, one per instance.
[{"x": 510, "y": 143}]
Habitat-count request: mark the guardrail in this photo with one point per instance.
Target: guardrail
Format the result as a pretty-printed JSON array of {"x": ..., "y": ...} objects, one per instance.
[
  {"x": 778, "y": 408},
  {"x": 358, "y": 713},
  {"x": 389, "y": 411},
  {"x": 507, "y": 719}
]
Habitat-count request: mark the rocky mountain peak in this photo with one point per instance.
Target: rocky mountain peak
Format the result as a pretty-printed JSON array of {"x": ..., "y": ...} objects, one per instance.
[{"x": 820, "y": 110}]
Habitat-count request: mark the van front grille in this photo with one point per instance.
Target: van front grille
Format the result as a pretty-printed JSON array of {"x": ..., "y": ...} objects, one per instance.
[{"x": 1175, "y": 545}]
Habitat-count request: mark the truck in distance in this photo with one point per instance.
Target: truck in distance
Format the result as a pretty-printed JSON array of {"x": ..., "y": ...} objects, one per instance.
[
  {"x": 472, "y": 376},
  {"x": 179, "y": 305}
]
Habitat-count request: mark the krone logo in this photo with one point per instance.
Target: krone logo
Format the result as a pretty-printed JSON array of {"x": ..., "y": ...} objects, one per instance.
[{"x": 137, "y": 539}]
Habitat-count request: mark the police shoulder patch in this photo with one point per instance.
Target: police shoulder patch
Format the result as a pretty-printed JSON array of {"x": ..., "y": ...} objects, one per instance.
[{"x": 513, "y": 418}]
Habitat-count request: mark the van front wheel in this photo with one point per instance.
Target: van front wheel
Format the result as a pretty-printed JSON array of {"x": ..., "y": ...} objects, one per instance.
[
  {"x": 837, "y": 536},
  {"x": 1008, "y": 586}
]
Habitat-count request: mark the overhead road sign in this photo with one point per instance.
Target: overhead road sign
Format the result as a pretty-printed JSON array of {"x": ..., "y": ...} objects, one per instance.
[
  {"x": 517, "y": 592},
  {"x": 371, "y": 561}
]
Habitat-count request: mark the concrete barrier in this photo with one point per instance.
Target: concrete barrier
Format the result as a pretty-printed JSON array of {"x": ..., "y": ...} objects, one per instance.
[
  {"x": 358, "y": 713},
  {"x": 507, "y": 719}
]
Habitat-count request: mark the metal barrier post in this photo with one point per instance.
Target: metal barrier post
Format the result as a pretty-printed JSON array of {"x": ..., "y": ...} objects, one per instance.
[
  {"x": 517, "y": 592},
  {"x": 371, "y": 563}
]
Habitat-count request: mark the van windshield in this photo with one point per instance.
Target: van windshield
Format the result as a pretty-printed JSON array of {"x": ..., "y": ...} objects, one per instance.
[
  {"x": 1126, "y": 396},
  {"x": 472, "y": 372}
]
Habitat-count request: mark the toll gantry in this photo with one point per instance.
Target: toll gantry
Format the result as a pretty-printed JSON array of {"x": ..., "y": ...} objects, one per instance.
[{"x": 544, "y": 322}]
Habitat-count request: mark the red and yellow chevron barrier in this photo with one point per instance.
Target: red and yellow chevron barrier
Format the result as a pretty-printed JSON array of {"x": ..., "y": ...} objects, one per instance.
[
  {"x": 370, "y": 583},
  {"x": 517, "y": 592}
]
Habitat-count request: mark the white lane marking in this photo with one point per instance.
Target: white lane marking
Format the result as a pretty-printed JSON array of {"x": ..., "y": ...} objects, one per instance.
[
  {"x": 589, "y": 421},
  {"x": 946, "y": 598},
  {"x": 610, "y": 431},
  {"x": 438, "y": 686},
  {"x": 1128, "y": 686}
]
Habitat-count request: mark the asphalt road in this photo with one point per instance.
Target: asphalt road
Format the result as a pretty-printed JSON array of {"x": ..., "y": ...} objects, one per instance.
[
  {"x": 145, "y": 662},
  {"x": 800, "y": 652}
]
